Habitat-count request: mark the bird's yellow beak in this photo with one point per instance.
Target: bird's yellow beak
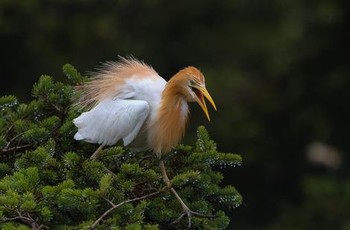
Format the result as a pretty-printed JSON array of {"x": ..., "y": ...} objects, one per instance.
[{"x": 204, "y": 92}]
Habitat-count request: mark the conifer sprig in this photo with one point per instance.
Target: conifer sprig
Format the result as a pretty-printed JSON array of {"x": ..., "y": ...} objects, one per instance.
[{"x": 47, "y": 180}]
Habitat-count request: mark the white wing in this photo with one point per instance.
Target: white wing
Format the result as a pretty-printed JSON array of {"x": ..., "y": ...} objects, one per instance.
[{"x": 112, "y": 120}]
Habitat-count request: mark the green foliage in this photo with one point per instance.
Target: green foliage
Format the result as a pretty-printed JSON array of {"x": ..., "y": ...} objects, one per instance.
[
  {"x": 278, "y": 71},
  {"x": 73, "y": 75},
  {"x": 48, "y": 181}
]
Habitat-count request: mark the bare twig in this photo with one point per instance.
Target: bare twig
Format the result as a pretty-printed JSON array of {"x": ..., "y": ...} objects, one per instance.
[
  {"x": 56, "y": 107},
  {"x": 114, "y": 206},
  {"x": 14, "y": 138},
  {"x": 27, "y": 219},
  {"x": 109, "y": 171},
  {"x": 6, "y": 149}
]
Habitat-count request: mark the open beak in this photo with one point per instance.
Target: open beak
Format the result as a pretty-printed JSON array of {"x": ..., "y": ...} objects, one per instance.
[{"x": 200, "y": 99}]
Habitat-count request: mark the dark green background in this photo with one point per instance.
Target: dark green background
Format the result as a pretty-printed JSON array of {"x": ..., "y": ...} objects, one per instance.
[{"x": 277, "y": 70}]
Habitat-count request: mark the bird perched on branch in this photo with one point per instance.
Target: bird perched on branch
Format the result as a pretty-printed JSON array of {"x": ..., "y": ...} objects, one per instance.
[{"x": 129, "y": 101}]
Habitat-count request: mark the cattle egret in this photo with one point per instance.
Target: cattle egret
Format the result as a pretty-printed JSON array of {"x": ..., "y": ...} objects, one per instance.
[{"x": 129, "y": 101}]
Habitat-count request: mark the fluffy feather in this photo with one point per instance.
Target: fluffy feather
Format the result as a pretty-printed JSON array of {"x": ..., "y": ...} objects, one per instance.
[
  {"x": 110, "y": 79},
  {"x": 132, "y": 102}
]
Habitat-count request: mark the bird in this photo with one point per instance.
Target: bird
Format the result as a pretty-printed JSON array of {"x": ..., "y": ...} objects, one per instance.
[{"x": 128, "y": 101}]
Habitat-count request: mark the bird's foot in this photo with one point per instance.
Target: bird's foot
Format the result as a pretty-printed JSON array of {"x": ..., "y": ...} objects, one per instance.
[
  {"x": 187, "y": 211},
  {"x": 185, "y": 208},
  {"x": 190, "y": 214}
]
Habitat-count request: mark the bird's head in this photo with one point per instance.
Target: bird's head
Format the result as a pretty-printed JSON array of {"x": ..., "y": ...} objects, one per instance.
[{"x": 195, "y": 89}]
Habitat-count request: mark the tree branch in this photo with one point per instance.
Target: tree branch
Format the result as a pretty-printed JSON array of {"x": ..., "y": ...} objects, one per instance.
[
  {"x": 114, "y": 206},
  {"x": 27, "y": 219},
  {"x": 6, "y": 149}
]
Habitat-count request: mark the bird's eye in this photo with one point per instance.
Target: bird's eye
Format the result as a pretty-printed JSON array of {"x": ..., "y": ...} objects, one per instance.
[{"x": 192, "y": 82}]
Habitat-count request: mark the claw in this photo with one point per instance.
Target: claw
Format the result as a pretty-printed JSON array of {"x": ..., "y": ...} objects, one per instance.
[
  {"x": 189, "y": 214},
  {"x": 186, "y": 210}
]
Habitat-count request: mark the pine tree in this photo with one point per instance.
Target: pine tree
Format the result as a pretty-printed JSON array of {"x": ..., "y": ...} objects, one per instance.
[{"x": 47, "y": 179}]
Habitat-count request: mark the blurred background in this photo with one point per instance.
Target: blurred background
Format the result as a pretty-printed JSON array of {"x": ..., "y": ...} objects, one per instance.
[{"x": 278, "y": 71}]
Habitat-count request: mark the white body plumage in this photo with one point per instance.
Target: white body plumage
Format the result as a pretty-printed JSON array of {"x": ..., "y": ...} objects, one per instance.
[{"x": 125, "y": 116}]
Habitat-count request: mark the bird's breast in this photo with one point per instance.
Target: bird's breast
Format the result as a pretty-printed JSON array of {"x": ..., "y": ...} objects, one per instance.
[{"x": 168, "y": 127}]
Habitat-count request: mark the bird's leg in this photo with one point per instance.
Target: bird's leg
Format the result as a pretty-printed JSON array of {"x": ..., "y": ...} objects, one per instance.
[
  {"x": 95, "y": 154},
  {"x": 186, "y": 209},
  {"x": 165, "y": 176}
]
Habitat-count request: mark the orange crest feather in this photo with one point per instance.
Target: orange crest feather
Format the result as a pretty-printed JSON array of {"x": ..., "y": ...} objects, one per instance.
[{"x": 110, "y": 78}]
